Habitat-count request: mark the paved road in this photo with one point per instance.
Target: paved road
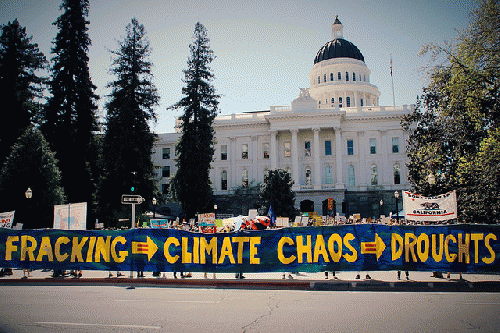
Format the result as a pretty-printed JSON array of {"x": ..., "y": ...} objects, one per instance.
[{"x": 118, "y": 309}]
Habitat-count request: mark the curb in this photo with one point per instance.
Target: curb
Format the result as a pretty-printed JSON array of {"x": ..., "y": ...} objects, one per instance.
[{"x": 263, "y": 284}]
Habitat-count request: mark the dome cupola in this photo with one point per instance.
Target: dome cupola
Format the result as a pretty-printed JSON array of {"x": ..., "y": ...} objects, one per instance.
[{"x": 338, "y": 47}]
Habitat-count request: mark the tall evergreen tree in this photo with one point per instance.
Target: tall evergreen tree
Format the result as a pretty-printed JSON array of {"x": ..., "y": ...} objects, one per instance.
[
  {"x": 21, "y": 86},
  {"x": 128, "y": 142},
  {"x": 454, "y": 138},
  {"x": 69, "y": 119},
  {"x": 277, "y": 191},
  {"x": 195, "y": 149},
  {"x": 32, "y": 165}
]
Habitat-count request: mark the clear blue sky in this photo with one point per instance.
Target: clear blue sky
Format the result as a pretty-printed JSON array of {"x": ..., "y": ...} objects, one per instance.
[{"x": 265, "y": 49}]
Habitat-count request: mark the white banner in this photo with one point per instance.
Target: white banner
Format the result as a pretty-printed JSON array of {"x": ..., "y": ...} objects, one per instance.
[
  {"x": 438, "y": 208},
  {"x": 70, "y": 217},
  {"x": 6, "y": 219}
]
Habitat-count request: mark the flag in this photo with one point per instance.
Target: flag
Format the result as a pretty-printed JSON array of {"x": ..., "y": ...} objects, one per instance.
[
  {"x": 271, "y": 215},
  {"x": 438, "y": 208}
]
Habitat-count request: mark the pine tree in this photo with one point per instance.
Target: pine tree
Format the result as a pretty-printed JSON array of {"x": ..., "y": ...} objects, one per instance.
[
  {"x": 20, "y": 86},
  {"x": 32, "y": 165},
  {"x": 69, "y": 119},
  {"x": 128, "y": 142},
  {"x": 277, "y": 191},
  {"x": 195, "y": 148}
]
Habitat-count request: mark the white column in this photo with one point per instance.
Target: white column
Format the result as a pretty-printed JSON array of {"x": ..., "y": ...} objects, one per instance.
[
  {"x": 338, "y": 158},
  {"x": 255, "y": 159},
  {"x": 231, "y": 177},
  {"x": 295, "y": 160},
  {"x": 273, "y": 151},
  {"x": 383, "y": 174},
  {"x": 316, "y": 155},
  {"x": 362, "y": 179},
  {"x": 355, "y": 99}
]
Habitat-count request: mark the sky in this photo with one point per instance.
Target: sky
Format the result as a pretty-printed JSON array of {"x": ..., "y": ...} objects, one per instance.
[{"x": 264, "y": 49}]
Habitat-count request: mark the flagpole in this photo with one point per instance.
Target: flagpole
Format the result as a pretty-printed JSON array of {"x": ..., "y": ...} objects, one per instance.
[{"x": 392, "y": 83}]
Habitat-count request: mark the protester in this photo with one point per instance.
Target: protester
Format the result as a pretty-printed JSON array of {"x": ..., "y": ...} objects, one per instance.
[
  {"x": 333, "y": 275},
  {"x": 118, "y": 274},
  {"x": 406, "y": 273}
]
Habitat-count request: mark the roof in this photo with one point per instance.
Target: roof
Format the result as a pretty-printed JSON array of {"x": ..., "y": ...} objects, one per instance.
[{"x": 338, "y": 48}]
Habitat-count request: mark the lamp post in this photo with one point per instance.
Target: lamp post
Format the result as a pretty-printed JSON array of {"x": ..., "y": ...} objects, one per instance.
[
  {"x": 380, "y": 208},
  {"x": 431, "y": 180},
  {"x": 28, "y": 194},
  {"x": 396, "y": 195},
  {"x": 154, "y": 207}
]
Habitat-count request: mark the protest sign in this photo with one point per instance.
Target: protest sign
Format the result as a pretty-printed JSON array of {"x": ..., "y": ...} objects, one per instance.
[{"x": 6, "y": 219}]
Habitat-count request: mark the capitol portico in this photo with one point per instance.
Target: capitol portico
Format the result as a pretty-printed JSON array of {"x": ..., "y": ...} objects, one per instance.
[{"x": 334, "y": 139}]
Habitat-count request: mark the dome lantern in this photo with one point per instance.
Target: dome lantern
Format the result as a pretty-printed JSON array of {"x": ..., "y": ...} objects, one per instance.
[{"x": 337, "y": 28}]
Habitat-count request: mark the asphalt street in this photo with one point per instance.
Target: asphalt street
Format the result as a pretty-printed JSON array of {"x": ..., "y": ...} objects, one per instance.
[{"x": 56, "y": 308}]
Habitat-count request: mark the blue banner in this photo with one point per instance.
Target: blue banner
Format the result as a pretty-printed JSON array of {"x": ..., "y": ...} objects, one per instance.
[{"x": 360, "y": 247}]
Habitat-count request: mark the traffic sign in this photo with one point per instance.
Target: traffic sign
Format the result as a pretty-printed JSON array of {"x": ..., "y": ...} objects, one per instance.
[{"x": 132, "y": 199}]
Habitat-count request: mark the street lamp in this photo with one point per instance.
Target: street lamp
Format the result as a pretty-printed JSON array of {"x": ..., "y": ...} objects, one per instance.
[
  {"x": 380, "y": 210},
  {"x": 154, "y": 207},
  {"x": 396, "y": 195},
  {"x": 28, "y": 193},
  {"x": 431, "y": 179}
]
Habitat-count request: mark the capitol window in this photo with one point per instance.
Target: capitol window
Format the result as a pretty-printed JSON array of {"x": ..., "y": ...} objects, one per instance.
[
  {"x": 319, "y": 80},
  {"x": 348, "y": 101},
  {"x": 395, "y": 145},
  {"x": 165, "y": 188},
  {"x": 347, "y": 76},
  {"x": 339, "y": 76},
  {"x": 362, "y": 102},
  {"x": 350, "y": 147},
  {"x": 328, "y": 148},
  {"x": 266, "y": 150},
  {"x": 244, "y": 178},
  {"x": 374, "y": 175},
  {"x": 397, "y": 174},
  {"x": 324, "y": 77},
  {"x": 351, "y": 177},
  {"x": 340, "y": 102},
  {"x": 223, "y": 152},
  {"x": 308, "y": 176},
  {"x": 307, "y": 148},
  {"x": 166, "y": 153},
  {"x": 244, "y": 151},
  {"x": 354, "y": 76},
  {"x": 165, "y": 171},
  {"x": 331, "y": 76},
  {"x": 333, "y": 100},
  {"x": 223, "y": 180},
  {"x": 328, "y": 175},
  {"x": 287, "y": 150},
  {"x": 373, "y": 146}
]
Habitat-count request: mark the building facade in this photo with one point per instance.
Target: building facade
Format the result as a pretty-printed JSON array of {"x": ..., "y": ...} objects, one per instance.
[{"x": 334, "y": 139}]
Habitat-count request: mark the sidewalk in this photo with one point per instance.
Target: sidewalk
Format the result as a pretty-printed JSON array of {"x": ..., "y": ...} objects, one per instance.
[{"x": 346, "y": 281}]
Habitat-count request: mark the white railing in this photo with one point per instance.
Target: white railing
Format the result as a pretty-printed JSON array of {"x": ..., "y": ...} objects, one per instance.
[{"x": 276, "y": 109}]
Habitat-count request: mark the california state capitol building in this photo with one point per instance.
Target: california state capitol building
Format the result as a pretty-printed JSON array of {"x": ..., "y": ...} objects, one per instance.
[{"x": 334, "y": 139}]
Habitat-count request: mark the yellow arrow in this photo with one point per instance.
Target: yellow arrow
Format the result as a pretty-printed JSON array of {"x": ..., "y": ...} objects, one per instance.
[
  {"x": 377, "y": 247},
  {"x": 149, "y": 247}
]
